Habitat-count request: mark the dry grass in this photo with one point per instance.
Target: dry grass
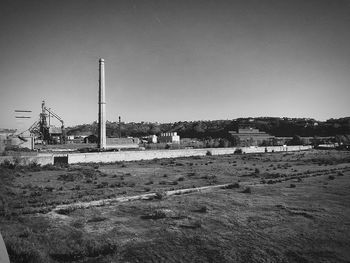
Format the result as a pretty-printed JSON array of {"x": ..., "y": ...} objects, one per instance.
[{"x": 273, "y": 221}]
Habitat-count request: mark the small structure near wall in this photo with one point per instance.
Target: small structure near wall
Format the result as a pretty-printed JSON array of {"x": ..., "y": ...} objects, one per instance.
[
  {"x": 12, "y": 140},
  {"x": 169, "y": 137}
]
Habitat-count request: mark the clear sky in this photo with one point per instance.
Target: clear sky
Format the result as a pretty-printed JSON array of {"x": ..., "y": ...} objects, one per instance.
[{"x": 175, "y": 60}]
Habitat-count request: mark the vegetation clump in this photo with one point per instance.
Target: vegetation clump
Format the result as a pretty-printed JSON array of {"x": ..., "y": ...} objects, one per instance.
[
  {"x": 202, "y": 209},
  {"x": 157, "y": 214},
  {"x": 247, "y": 190},
  {"x": 231, "y": 186}
]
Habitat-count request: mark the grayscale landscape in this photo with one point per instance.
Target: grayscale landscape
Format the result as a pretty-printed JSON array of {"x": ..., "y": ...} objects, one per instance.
[{"x": 174, "y": 131}]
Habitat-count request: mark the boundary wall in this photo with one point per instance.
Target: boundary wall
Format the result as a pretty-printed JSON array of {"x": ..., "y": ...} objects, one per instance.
[{"x": 108, "y": 157}]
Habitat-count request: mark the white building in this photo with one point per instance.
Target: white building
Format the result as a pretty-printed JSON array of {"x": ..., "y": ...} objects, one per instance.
[{"x": 169, "y": 137}]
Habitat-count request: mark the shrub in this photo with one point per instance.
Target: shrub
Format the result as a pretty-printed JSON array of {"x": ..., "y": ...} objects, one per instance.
[
  {"x": 68, "y": 177},
  {"x": 21, "y": 250},
  {"x": 66, "y": 211},
  {"x": 193, "y": 225},
  {"x": 331, "y": 177},
  {"x": 202, "y": 209},
  {"x": 231, "y": 186},
  {"x": 238, "y": 151},
  {"x": 157, "y": 214},
  {"x": 8, "y": 164},
  {"x": 97, "y": 219},
  {"x": 208, "y": 153},
  {"x": 247, "y": 190},
  {"x": 160, "y": 195},
  {"x": 292, "y": 186}
]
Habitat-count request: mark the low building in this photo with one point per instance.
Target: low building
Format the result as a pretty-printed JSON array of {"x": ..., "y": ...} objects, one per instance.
[
  {"x": 169, "y": 137},
  {"x": 251, "y": 137},
  {"x": 152, "y": 139},
  {"x": 122, "y": 143},
  {"x": 8, "y": 138}
]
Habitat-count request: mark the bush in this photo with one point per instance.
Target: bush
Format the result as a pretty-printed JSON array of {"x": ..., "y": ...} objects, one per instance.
[
  {"x": 160, "y": 195},
  {"x": 292, "y": 186},
  {"x": 331, "y": 177},
  {"x": 232, "y": 186},
  {"x": 21, "y": 250},
  {"x": 209, "y": 153},
  {"x": 8, "y": 164},
  {"x": 238, "y": 151},
  {"x": 157, "y": 214},
  {"x": 97, "y": 219},
  {"x": 66, "y": 211},
  {"x": 247, "y": 191},
  {"x": 202, "y": 209}
]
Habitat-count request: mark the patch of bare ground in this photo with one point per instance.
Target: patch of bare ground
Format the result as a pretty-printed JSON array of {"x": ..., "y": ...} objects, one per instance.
[{"x": 257, "y": 217}]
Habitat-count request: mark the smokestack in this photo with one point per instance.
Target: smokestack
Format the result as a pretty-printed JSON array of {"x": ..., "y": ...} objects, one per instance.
[{"x": 102, "y": 106}]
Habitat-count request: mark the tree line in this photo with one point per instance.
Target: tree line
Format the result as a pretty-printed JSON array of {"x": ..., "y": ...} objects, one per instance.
[{"x": 280, "y": 127}]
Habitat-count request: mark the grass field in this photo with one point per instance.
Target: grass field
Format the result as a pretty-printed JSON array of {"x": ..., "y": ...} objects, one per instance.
[{"x": 282, "y": 207}]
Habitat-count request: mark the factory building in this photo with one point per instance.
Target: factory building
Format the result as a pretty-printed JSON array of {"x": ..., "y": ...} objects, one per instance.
[
  {"x": 251, "y": 137},
  {"x": 169, "y": 137}
]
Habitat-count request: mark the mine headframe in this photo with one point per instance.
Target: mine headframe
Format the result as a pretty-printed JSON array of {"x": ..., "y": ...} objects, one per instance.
[{"x": 47, "y": 132}]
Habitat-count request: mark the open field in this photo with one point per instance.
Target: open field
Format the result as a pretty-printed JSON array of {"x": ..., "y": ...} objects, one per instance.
[{"x": 279, "y": 207}]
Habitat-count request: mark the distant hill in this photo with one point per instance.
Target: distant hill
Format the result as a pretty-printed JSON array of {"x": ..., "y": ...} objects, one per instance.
[{"x": 281, "y": 127}]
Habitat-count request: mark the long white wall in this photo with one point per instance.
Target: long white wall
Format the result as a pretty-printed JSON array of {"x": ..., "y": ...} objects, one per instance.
[{"x": 107, "y": 157}]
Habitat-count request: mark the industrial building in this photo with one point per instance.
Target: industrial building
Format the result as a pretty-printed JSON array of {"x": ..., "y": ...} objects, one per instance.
[
  {"x": 169, "y": 137},
  {"x": 251, "y": 137}
]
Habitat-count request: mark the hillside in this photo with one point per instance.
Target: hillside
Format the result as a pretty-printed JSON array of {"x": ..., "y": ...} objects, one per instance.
[{"x": 281, "y": 127}]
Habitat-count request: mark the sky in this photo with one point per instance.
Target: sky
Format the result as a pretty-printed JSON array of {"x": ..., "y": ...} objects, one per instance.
[{"x": 170, "y": 61}]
